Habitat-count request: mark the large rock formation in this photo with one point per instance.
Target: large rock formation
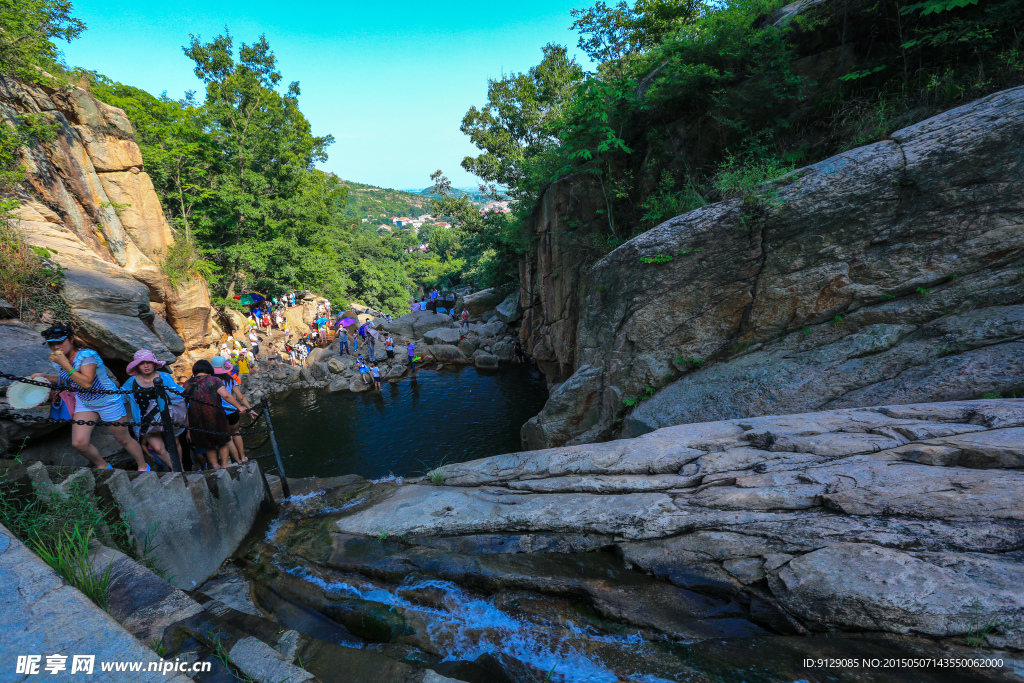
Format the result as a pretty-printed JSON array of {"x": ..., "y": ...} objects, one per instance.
[
  {"x": 888, "y": 274},
  {"x": 87, "y": 196},
  {"x": 902, "y": 519}
]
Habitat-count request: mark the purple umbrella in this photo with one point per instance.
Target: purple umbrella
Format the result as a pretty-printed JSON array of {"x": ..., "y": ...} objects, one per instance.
[{"x": 347, "y": 321}]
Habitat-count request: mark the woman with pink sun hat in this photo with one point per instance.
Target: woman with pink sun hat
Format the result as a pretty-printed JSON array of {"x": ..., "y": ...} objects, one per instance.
[{"x": 146, "y": 406}]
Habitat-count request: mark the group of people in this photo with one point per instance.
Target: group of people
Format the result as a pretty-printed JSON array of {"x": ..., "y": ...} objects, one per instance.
[{"x": 205, "y": 411}]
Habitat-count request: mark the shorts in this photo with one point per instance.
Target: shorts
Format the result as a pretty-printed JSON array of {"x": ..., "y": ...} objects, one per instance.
[
  {"x": 391, "y": 354},
  {"x": 255, "y": 350},
  {"x": 233, "y": 417},
  {"x": 109, "y": 411}
]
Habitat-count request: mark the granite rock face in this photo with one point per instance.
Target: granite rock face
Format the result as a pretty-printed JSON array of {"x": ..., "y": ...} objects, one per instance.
[
  {"x": 891, "y": 273},
  {"x": 87, "y": 196},
  {"x": 904, "y": 519}
]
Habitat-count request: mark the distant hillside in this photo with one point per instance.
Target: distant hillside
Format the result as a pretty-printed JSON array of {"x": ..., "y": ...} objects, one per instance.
[
  {"x": 475, "y": 196},
  {"x": 380, "y": 204}
]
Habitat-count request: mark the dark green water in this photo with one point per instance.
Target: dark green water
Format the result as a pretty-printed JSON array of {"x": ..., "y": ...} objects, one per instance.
[{"x": 409, "y": 427}]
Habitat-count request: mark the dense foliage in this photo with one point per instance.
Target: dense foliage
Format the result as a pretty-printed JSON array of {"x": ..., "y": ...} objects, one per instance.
[{"x": 696, "y": 101}]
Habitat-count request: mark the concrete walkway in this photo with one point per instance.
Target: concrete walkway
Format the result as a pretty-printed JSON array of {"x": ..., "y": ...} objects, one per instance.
[{"x": 40, "y": 614}]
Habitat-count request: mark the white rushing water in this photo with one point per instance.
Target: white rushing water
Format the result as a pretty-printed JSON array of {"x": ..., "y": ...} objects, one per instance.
[{"x": 467, "y": 626}]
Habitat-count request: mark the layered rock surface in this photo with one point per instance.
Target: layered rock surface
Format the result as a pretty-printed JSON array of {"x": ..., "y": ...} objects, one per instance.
[
  {"x": 906, "y": 519},
  {"x": 87, "y": 196},
  {"x": 888, "y": 274}
]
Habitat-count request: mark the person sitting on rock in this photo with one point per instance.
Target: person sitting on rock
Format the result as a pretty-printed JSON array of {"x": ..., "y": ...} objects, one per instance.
[
  {"x": 80, "y": 369},
  {"x": 146, "y": 405},
  {"x": 364, "y": 371}
]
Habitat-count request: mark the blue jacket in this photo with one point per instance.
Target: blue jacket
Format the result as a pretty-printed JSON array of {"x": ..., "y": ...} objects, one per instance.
[{"x": 168, "y": 382}]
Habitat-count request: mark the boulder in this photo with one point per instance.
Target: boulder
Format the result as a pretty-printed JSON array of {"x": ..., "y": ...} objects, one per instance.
[
  {"x": 99, "y": 286},
  {"x": 758, "y": 510},
  {"x": 233, "y": 321},
  {"x": 357, "y": 385},
  {"x": 317, "y": 354},
  {"x": 7, "y": 310},
  {"x": 393, "y": 370},
  {"x": 118, "y": 336},
  {"x": 490, "y": 329},
  {"x": 168, "y": 336},
  {"x": 336, "y": 365},
  {"x": 442, "y": 335},
  {"x": 415, "y": 325},
  {"x": 808, "y": 312},
  {"x": 485, "y": 360},
  {"x": 320, "y": 371},
  {"x": 340, "y": 384},
  {"x": 480, "y": 302},
  {"x": 508, "y": 310},
  {"x": 467, "y": 346},
  {"x": 444, "y": 353},
  {"x": 22, "y": 351},
  {"x": 503, "y": 349}
]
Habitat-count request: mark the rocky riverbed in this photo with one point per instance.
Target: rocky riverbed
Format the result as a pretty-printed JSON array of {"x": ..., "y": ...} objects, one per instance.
[
  {"x": 487, "y": 341},
  {"x": 901, "y": 522}
]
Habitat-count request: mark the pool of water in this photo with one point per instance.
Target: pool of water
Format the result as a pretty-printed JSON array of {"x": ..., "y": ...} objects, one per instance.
[{"x": 409, "y": 427}]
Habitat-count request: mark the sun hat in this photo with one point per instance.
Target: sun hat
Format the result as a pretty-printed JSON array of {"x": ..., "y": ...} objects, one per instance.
[
  {"x": 143, "y": 356},
  {"x": 57, "y": 333},
  {"x": 22, "y": 396},
  {"x": 221, "y": 366}
]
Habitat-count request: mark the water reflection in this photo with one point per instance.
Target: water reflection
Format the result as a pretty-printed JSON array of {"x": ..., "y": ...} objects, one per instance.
[{"x": 410, "y": 426}]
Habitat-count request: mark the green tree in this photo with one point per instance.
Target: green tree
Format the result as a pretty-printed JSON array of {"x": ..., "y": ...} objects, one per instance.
[
  {"x": 28, "y": 29},
  {"x": 265, "y": 151},
  {"x": 607, "y": 34},
  {"x": 517, "y": 123}
]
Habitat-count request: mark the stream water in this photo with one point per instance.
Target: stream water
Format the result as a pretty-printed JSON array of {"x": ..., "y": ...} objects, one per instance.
[{"x": 410, "y": 426}]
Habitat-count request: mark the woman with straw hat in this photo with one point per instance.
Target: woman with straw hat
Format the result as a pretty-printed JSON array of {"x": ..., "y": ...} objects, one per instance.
[
  {"x": 146, "y": 406},
  {"x": 81, "y": 370}
]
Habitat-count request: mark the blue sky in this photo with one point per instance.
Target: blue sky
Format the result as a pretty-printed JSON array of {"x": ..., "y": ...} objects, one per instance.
[{"x": 391, "y": 81}]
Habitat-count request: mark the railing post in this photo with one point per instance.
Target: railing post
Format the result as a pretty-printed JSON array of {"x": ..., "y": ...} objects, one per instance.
[
  {"x": 273, "y": 444},
  {"x": 170, "y": 441}
]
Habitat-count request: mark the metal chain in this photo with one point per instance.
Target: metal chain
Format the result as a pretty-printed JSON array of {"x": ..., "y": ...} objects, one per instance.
[
  {"x": 8, "y": 415},
  {"x": 119, "y": 392},
  {"x": 39, "y": 419}
]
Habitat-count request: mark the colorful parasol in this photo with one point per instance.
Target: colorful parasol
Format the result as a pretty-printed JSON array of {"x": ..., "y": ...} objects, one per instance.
[
  {"x": 252, "y": 299},
  {"x": 347, "y": 321}
]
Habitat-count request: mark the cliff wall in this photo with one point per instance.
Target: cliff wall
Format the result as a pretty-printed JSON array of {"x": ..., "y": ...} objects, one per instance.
[
  {"x": 88, "y": 197},
  {"x": 892, "y": 273}
]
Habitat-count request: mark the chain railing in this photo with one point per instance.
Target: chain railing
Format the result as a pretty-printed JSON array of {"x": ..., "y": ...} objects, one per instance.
[{"x": 169, "y": 425}]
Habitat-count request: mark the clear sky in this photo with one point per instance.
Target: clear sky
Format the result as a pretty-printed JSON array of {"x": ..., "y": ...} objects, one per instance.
[{"x": 391, "y": 81}]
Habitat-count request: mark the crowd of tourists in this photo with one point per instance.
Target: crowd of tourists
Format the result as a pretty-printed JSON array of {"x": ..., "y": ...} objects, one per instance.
[{"x": 205, "y": 411}]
